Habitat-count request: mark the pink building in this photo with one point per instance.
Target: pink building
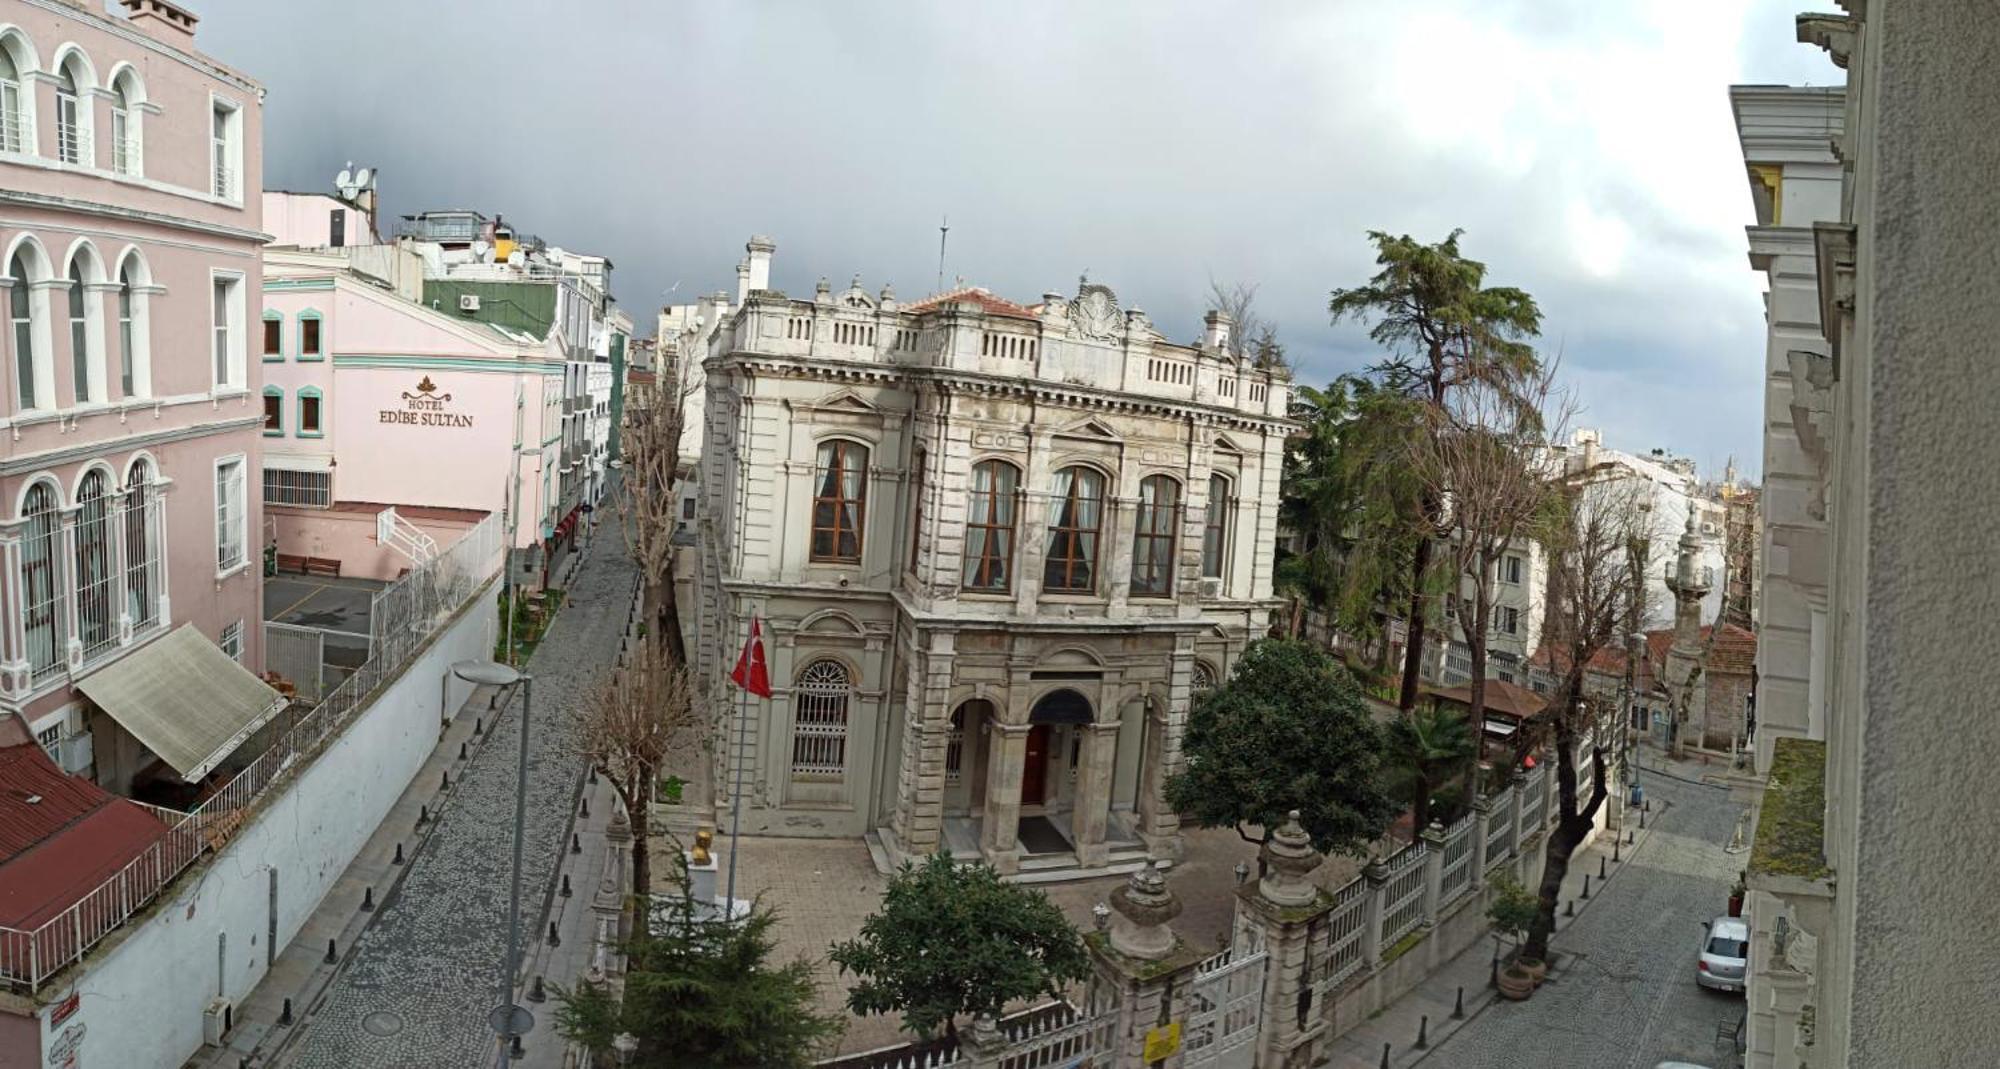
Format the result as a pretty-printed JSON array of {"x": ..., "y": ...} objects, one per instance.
[
  {"x": 374, "y": 400},
  {"x": 130, "y": 272}
]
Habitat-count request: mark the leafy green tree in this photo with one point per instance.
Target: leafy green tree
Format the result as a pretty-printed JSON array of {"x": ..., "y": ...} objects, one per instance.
[
  {"x": 1432, "y": 743},
  {"x": 702, "y": 992},
  {"x": 952, "y": 940},
  {"x": 1444, "y": 329},
  {"x": 1288, "y": 730}
]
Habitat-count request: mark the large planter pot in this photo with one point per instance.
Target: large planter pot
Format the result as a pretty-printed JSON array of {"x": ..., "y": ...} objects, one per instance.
[
  {"x": 1516, "y": 985},
  {"x": 1532, "y": 969},
  {"x": 1736, "y": 905}
]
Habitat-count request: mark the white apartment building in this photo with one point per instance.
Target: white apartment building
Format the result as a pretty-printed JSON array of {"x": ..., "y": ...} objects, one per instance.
[{"x": 996, "y": 548}]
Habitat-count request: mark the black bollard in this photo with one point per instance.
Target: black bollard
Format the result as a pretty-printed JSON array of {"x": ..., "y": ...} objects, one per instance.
[
  {"x": 1385, "y": 1056},
  {"x": 1631, "y": 837},
  {"x": 1602, "y": 871},
  {"x": 1423, "y": 1031},
  {"x": 565, "y": 887},
  {"x": 423, "y": 815},
  {"x": 586, "y": 808},
  {"x": 1458, "y": 1006},
  {"x": 367, "y": 900},
  {"x": 1616, "y": 842},
  {"x": 1569, "y": 908},
  {"x": 331, "y": 955},
  {"x": 1493, "y": 978},
  {"x": 554, "y": 939},
  {"x": 515, "y": 1051},
  {"x": 593, "y": 776},
  {"x": 461, "y": 750},
  {"x": 398, "y": 859},
  {"x": 478, "y": 727},
  {"x": 1648, "y": 807},
  {"x": 444, "y": 783},
  {"x": 575, "y": 843},
  {"x": 1586, "y": 885},
  {"x": 535, "y": 991},
  {"x": 285, "y": 1018}
]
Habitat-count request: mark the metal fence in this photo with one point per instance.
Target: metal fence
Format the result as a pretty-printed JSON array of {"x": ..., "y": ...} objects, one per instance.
[
  {"x": 1500, "y": 833},
  {"x": 1534, "y": 802},
  {"x": 296, "y": 654},
  {"x": 1403, "y": 905},
  {"x": 1456, "y": 876},
  {"x": 404, "y": 615},
  {"x": 1341, "y": 957}
]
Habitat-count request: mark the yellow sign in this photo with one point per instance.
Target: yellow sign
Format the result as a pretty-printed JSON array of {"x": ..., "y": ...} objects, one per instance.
[{"x": 1162, "y": 1042}]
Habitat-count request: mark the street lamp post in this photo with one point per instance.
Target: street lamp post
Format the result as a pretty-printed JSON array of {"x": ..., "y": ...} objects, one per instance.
[{"x": 508, "y": 1018}]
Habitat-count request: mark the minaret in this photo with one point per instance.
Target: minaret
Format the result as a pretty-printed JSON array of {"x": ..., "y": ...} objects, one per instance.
[{"x": 1690, "y": 581}]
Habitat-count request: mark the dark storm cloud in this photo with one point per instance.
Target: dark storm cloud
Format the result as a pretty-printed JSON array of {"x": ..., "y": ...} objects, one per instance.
[{"x": 1586, "y": 146}]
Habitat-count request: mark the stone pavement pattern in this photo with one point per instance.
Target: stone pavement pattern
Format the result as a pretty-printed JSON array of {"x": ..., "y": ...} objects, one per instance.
[
  {"x": 1624, "y": 994},
  {"x": 415, "y": 991}
]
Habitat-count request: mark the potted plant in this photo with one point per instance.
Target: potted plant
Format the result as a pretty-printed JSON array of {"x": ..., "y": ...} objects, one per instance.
[
  {"x": 1512, "y": 910},
  {"x": 1736, "y": 893}
]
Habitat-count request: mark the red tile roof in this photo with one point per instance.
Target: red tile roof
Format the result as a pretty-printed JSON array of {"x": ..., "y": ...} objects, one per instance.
[
  {"x": 60, "y": 836},
  {"x": 1734, "y": 652},
  {"x": 1501, "y": 697},
  {"x": 987, "y": 302}
]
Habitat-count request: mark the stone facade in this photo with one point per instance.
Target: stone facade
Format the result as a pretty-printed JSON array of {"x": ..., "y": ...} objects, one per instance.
[{"x": 997, "y": 548}]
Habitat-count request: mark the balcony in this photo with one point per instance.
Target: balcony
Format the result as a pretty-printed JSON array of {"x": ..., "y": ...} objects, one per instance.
[
  {"x": 17, "y": 133},
  {"x": 73, "y": 145}
]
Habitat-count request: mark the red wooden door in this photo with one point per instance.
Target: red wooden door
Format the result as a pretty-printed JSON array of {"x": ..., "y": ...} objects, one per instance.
[{"x": 1035, "y": 767}]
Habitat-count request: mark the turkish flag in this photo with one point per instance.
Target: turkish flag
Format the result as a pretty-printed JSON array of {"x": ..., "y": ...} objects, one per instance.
[{"x": 751, "y": 673}]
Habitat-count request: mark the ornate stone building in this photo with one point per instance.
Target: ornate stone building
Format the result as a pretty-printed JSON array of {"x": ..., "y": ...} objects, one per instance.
[{"x": 996, "y": 547}]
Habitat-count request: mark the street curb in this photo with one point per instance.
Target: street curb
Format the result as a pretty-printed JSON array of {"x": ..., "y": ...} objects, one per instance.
[{"x": 1488, "y": 996}]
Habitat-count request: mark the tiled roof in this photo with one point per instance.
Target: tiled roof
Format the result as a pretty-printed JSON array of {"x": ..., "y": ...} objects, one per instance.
[
  {"x": 1501, "y": 697},
  {"x": 1734, "y": 652},
  {"x": 987, "y": 302},
  {"x": 60, "y": 836}
]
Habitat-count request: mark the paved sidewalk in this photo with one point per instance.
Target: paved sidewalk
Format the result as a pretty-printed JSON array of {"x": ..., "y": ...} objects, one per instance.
[
  {"x": 1428, "y": 1007},
  {"x": 415, "y": 989}
]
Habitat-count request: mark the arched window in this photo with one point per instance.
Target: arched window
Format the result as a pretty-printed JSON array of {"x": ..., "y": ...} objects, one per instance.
[
  {"x": 17, "y": 131},
  {"x": 126, "y": 122},
  {"x": 1215, "y": 527},
  {"x": 41, "y": 579},
  {"x": 1076, "y": 511},
  {"x": 79, "y": 333},
  {"x": 819, "y": 721},
  {"x": 21, "y": 314},
  {"x": 125, "y": 330},
  {"x": 72, "y": 137},
  {"x": 839, "y": 500},
  {"x": 989, "y": 527},
  {"x": 96, "y": 623},
  {"x": 1204, "y": 679},
  {"x": 142, "y": 578},
  {"x": 1153, "y": 536}
]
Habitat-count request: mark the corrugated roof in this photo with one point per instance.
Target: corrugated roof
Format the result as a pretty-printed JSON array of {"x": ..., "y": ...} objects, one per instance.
[
  {"x": 55, "y": 849},
  {"x": 987, "y": 302},
  {"x": 184, "y": 699}
]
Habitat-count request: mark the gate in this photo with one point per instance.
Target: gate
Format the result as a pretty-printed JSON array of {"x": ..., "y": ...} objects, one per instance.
[{"x": 1225, "y": 1011}]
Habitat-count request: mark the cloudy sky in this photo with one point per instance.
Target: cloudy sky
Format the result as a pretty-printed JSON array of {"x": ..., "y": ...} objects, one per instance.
[{"x": 1586, "y": 147}]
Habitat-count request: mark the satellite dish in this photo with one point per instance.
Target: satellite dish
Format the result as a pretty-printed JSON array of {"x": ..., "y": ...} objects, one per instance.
[
  {"x": 482, "y": 252},
  {"x": 344, "y": 179},
  {"x": 365, "y": 178}
]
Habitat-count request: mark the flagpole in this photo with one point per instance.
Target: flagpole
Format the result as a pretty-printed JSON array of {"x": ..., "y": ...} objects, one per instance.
[{"x": 736, "y": 792}]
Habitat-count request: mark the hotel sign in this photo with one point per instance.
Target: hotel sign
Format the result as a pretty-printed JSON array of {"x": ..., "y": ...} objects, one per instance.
[{"x": 426, "y": 408}]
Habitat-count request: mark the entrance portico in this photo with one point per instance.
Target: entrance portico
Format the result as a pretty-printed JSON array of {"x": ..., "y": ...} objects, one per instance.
[{"x": 1056, "y": 770}]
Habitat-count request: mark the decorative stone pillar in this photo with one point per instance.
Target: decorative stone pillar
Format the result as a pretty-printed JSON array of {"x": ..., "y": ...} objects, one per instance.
[
  {"x": 1143, "y": 971},
  {"x": 1433, "y": 840},
  {"x": 1159, "y": 825},
  {"x": 609, "y": 901},
  {"x": 1377, "y": 875},
  {"x": 1281, "y": 912},
  {"x": 983, "y": 1044},
  {"x": 1090, "y": 809},
  {"x": 1482, "y": 825},
  {"x": 1006, "y": 759}
]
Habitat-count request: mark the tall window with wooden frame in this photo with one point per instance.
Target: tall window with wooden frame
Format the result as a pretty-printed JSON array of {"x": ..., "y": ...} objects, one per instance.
[
  {"x": 819, "y": 721},
  {"x": 840, "y": 489},
  {"x": 917, "y": 463},
  {"x": 989, "y": 528},
  {"x": 1215, "y": 528},
  {"x": 42, "y": 580},
  {"x": 1076, "y": 517},
  {"x": 1153, "y": 536}
]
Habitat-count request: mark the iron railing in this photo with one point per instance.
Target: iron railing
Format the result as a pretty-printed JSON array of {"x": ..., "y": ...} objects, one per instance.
[{"x": 403, "y": 617}]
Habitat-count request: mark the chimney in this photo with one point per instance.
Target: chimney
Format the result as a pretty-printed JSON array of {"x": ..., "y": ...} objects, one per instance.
[
  {"x": 1216, "y": 334},
  {"x": 760, "y": 249},
  {"x": 162, "y": 21},
  {"x": 742, "y": 280}
]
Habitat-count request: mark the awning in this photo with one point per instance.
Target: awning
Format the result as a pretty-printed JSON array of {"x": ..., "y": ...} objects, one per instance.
[{"x": 184, "y": 699}]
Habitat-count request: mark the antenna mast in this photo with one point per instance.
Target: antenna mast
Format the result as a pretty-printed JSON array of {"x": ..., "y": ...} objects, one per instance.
[{"x": 944, "y": 230}]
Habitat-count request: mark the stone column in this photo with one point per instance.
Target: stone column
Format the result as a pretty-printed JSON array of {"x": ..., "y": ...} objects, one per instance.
[
  {"x": 1143, "y": 970},
  {"x": 1283, "y": 909},
  {"x": 1433, "y": 840},
  {"x": 1482, "y": 825},
  {"x": 1377, "y": 875},
  {"x": 1514, "y": 797},
  {"x": 1006, "y": 758},
  {"x": 1159, "y": 825},
  {"x": 1090, "y": 809}
]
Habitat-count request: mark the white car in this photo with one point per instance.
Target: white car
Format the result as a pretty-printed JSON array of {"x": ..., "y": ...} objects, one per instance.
[{"x": 1725, "y": 954}]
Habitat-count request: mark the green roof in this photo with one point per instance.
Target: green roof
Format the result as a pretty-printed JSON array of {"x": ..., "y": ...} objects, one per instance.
[{"x": 1791, "y": 829}]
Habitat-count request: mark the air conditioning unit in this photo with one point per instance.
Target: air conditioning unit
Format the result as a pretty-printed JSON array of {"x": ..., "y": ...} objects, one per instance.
[
  {"x": 1211, "y": 588},
  {"x": 468, "y": 302},
  {"x": 217, "y": 1020}
]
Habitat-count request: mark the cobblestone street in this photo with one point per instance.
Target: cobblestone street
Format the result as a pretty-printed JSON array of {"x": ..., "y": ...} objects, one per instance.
[
  {"x": 1624, "y": 995},
  {"x": 415, "y": 990}
]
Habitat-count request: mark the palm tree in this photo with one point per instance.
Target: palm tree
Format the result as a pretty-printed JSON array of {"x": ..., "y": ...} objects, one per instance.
[{"x": 1430, "y": 742}]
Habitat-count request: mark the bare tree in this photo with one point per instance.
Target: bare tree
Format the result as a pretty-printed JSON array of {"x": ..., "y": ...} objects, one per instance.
[
  {"x": 1252, "y": 338},
  {"x": 649, "y": 507},
  {"x": 1594, "y": 588},
  {"x": 1485, "y": 465},
  {"x": 628, "y": 727}
]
